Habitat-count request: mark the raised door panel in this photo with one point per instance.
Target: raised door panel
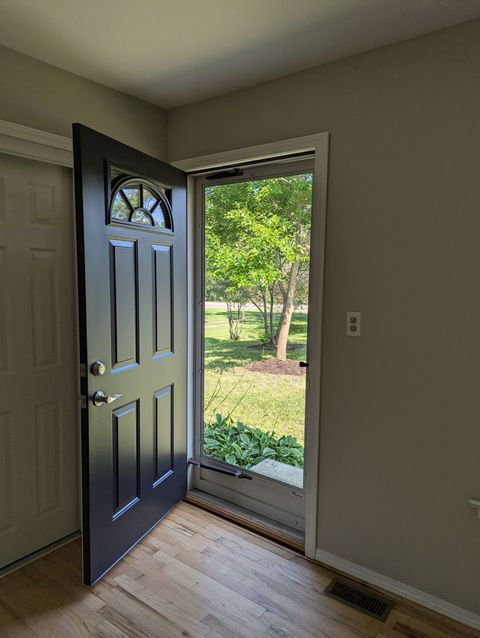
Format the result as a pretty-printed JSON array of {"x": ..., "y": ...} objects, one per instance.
[
  {"x": 163, "y": 302},
  {"x": 126, "y": 457},
  {"x": 48, "y": 447},
  {"x": 44, "y": 308},
  {"x": 163, "y": 444},
  {"x": 124, "y": 303},
  {"x": 41, "y": 204}
]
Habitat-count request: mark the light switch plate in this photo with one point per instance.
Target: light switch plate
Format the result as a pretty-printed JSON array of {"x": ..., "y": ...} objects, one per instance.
[{"x": 354, "y": 324}]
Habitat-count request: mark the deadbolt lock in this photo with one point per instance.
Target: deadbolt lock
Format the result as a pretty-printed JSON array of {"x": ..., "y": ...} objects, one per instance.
[{"x": 98, "y": 368}]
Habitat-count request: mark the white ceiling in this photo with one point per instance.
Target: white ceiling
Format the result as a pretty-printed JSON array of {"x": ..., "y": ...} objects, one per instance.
[{"x": 172, "y": 52}]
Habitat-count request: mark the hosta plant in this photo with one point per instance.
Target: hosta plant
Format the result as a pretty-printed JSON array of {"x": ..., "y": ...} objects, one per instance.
[{"x": 239, "y": 444}]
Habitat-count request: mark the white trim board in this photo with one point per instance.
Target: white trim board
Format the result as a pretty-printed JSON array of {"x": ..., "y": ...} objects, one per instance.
[
  {"x": 31, "y": 143},
  {"x": 43, "y": 551},
  {"x": 437, "y": 605},
  {"x": 317, "y": 143},
  {"x": 307, "y": 143}
]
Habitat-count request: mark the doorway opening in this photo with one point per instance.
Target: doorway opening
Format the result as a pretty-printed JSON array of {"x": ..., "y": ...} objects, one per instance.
[
  {"x": 253, "y": 332},
  {"x": 256, "y": 271}
]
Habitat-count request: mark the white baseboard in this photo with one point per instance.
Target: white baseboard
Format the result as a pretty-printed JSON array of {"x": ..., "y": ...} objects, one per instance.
[
  {"x": 18, "y": 564},
  {"x": 405, "y": 591}
]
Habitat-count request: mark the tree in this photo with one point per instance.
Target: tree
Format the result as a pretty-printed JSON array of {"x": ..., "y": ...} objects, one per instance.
[
  {"x": 292, "y": 195},
  {"x": 257, "y": 247}
]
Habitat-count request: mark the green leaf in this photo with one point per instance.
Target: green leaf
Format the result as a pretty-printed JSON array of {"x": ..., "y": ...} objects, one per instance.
[
  {"x": 268, "y": 452},
  {"x": 237, "y": 448},
  {"x": 245, "y": 438}
]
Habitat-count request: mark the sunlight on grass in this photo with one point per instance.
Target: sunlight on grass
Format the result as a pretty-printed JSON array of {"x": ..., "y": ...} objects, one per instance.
[{"x": 266, "y": 401}]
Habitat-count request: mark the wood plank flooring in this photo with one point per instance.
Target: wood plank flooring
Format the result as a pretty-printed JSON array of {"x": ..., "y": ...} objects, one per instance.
[{"x": 195, "y": 575}]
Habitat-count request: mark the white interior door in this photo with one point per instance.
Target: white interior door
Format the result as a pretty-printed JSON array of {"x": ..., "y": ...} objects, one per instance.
[{"x": 38, "y": 406}]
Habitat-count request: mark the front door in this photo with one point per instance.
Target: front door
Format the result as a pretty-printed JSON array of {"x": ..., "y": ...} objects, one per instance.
[{"x": 131, "y": 234}]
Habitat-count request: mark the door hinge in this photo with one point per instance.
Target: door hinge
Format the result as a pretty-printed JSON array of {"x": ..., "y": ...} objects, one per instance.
[
  {"x": 83, "y": 402},
  {"x": 83, "y": 370}
]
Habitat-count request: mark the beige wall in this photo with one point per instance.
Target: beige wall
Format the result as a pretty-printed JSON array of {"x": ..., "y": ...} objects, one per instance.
[
  {"x": 400, "y": 435},
  {"x": 45, "y": 97}
]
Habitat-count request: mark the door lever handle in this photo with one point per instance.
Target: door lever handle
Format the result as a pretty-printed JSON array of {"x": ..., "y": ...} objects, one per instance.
[{"x": 99, "y": 398}]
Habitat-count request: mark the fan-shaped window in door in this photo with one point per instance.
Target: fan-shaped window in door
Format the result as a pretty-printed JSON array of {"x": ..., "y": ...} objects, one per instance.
[{"x": 137, "y": 201}]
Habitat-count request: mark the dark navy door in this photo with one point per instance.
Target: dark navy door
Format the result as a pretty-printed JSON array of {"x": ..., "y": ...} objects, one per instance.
[{"x": 131, "y": 240}]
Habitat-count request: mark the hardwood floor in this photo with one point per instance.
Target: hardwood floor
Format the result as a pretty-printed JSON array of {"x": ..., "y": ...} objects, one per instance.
[{"x": 195, "y": 575}]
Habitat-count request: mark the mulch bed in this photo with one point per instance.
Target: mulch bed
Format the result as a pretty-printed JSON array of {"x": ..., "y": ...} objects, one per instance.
[
  {"x": 291, "y": 347},
  {"x": 272, "y": 366}
]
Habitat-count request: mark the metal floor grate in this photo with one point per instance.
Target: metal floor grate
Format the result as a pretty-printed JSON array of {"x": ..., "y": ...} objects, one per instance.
[{"x": 359, "y": 598}]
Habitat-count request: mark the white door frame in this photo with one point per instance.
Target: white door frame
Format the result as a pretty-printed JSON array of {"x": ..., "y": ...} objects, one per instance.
[{"x": 318, "y": 144}]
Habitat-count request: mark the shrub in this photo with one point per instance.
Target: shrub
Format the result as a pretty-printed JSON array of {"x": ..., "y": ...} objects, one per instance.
[{"x": 242, "y": 445}]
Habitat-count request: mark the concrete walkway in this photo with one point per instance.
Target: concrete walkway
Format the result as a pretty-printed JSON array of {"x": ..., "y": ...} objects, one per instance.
[{"x": 280, "y": 471}]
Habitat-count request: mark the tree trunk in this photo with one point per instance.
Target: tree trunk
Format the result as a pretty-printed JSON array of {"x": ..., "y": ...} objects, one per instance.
[{"x": 287, "y": 313}]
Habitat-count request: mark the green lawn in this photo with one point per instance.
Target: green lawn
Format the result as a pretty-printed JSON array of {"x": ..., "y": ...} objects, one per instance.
[{"x": 266, "y": 401}]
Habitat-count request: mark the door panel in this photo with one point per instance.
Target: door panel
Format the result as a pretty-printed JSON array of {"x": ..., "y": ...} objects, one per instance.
[
  {"x": 163, "y": 434},
  {"x": 163, "y": 289},
  {"x": 124, "y": 303},
  {"x": 125, "y": 457},
  {"x": 44, "y": 307},
  {"x": 131, "y": 212},
  {"x": 38, "y": 395},
  {"x": 48, "y": 456}
]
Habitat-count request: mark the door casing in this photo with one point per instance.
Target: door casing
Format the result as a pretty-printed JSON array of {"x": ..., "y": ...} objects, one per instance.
[{"x": 318, "y": 145}]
